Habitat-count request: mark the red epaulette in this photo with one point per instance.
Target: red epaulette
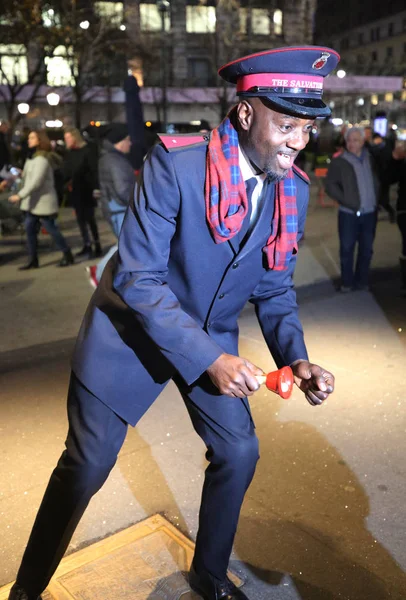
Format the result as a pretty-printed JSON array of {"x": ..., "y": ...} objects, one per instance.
[
  {"x": 301, "y": 174},
  {"x": 182, "y": 140}
]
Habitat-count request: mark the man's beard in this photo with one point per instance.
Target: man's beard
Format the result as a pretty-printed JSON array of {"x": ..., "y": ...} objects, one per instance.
[
  {"x": 273, "y": 176},
  {"x": 270, "y": 170}
]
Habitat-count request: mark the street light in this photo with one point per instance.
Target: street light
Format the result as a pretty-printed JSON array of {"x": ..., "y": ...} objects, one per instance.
[
  {"x": 23, "y": 108},
  {"x": 341, "y": 74},
  {"x": 84, "y": 25},
  {"x": 53, "y": 99},
  {"x": 163, "y": 7}
]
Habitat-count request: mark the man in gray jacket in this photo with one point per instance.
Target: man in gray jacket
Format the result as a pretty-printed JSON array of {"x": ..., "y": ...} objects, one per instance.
[
  {"x": 117, "y": 180},
  {"x": 353, "y": 182}
]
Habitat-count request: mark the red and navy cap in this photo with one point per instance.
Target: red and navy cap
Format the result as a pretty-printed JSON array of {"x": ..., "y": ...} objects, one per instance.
[{"x": 290, "y": 78}]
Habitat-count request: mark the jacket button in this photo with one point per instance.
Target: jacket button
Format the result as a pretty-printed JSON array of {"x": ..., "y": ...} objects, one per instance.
[
  {"x": 235, "y": 265},
  {"x": 221, "y": 296}
]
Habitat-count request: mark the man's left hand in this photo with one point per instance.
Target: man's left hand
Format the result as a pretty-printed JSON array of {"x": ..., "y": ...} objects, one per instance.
[
  {"x": 315, "y": 382},
  {"x": 14, "y": 199}
]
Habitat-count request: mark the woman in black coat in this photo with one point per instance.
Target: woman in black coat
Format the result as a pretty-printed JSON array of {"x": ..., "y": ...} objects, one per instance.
[{"x": 80, "y": 171}]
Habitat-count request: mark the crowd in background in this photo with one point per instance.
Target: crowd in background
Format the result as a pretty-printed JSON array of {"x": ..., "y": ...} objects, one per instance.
[
  {"x": 362, "y": 166},
  {"x": 80, "y": 173}
]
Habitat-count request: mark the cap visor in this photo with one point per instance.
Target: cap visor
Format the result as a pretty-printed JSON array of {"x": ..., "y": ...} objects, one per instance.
[{"x": 310, "y": 107}]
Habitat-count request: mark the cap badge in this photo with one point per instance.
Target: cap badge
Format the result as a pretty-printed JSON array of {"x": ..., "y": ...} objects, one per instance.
[{"x": 320, "y": 62}]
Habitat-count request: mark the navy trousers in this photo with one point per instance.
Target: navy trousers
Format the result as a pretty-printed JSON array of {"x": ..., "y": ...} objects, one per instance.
[
  {"x": 355, "y": 230},
  {"x": 31, "y": 224},
  {"x": 94, "y": 439}
]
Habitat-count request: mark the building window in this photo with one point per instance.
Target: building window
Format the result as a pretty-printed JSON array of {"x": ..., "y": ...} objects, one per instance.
[
  {"x": 59, "y": 68},
  {"x": 261, "y": 24},
  {"x": 49, "y": 18},
  {"x": 13, "y": 64},
  {"x": 360, "y": 39},
  {"x": 150, "y": 18},
  {"x": 377, "y": 33},
  {"x": 199, "y": 72},
  {"x": 111, "y": 11},
  {"x": 390, "y": 30},
  {"x": 278, "y": 22},
  {"x": 374, "y": 55},
  {"x": 200, "y": 19},
  {"x": 372, "y": 35},
  {"x": 389, "y": 52}
]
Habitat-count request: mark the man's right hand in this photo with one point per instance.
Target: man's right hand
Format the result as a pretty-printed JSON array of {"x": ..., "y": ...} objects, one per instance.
[{"x": 234, "y": 376}]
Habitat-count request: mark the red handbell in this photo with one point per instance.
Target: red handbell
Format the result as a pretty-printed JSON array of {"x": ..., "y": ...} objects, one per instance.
[{"x": 280, "y": 382}]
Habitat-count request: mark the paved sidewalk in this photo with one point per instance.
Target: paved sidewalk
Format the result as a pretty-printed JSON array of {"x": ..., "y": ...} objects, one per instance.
[{"x": 324, "y": 517}]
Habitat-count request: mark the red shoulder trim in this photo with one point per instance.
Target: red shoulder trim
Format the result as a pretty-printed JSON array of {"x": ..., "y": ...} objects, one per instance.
[
  {"x": 173, "y": 142},
  {"x": 301, "y": 173}
]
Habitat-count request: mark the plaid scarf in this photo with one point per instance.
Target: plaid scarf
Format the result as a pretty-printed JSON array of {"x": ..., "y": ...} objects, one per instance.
[{"x": 227, "y": 203}]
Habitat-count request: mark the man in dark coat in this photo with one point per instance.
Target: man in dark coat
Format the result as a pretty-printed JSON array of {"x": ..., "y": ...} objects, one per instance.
[
  {"x": 352, "y": 180},
  {"x": 211, "y": 226},
  {"x": 117, "y": 180},
  {"x": 80, "y": 172}
]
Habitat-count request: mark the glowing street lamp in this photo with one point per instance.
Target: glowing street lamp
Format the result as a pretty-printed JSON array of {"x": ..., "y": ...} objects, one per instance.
[
  {"x": 341, "y": 73},
  {"x": 84, "y": 25},
  {"x": 53, "y": 99},
  {"x": 23, "y": 108}
]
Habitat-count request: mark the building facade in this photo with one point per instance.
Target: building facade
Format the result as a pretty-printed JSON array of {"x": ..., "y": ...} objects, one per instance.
[
  {"x": 173, "y": 46},
  {"x": 371, "y": 39}
]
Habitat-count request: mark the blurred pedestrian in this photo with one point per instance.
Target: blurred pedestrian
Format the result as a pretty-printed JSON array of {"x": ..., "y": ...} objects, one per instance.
[
  {"x": 4, "y": 146},
  {"x": 38, "y": 198},
  {"x": 352, "y": 181},
  {"x": 381, "y": 150},
  {"x": 398, "y": 175},
  {"x": 80, "y": 171},
  {"x": 368, "y": 135},
  {"x": 117, "y": 180}
]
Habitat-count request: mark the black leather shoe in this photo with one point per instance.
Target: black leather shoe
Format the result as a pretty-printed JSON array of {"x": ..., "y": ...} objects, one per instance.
[
  {"x": 210, "y": 589},
  {"x": 86, "y": 251},
  {"x": 17, "y": 593},
  {"x": 98, "y": 252},
  {"x": 33, "y": 264},
  {"x": 67, "y": 259}
]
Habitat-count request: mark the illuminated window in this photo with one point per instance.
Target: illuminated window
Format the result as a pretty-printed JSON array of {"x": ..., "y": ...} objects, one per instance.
[
  {"x": 278, "y": 22},
  {"x": 374, "y": 99},
  {"x": 49, "y": 18},
  {"x": 260, "y": 21},
  {"x": 13, "y": 64},
  {"x": 151, "y": 18},
  {"x": 389, "y": 97},
  {"x": 200, "y": 19},
  {"x": 111, "y": 11},
  {"x": 58, "y": 68},
  {"x": 403, "y": 95}
]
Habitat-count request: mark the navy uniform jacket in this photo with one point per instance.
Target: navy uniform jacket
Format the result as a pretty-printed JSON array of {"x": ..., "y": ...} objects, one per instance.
[{"x": 169, "y": 300}]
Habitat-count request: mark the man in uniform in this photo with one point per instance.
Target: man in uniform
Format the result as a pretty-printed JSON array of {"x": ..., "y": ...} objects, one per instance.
[{"x": 211, "y": 226}]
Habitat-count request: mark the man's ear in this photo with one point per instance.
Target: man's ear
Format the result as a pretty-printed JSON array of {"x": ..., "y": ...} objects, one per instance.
[{"x": 245, "y": 114}]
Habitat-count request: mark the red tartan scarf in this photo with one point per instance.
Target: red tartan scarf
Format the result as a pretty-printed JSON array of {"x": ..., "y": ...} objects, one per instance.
[{"x": 227, "y": 204}]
